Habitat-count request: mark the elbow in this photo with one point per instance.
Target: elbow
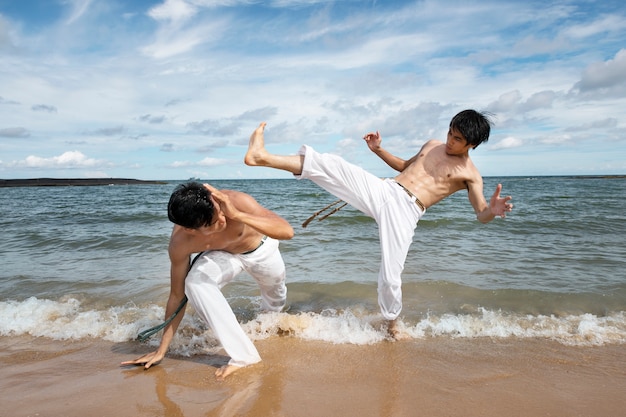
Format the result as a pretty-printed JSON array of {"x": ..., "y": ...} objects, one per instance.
[
  {"x": 285, "y": 233},
  {"x": 289, "y": 234},
  {"x": 485, "y": 218}
]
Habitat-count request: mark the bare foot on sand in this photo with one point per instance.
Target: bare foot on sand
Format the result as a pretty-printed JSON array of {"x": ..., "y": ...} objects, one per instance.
[
  {"x": 225, "y": 370},
  {"x": 256, "y": 154}
]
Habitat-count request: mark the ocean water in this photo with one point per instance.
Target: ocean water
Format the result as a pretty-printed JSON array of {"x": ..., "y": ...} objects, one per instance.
[{"x": 91, "y": 262}]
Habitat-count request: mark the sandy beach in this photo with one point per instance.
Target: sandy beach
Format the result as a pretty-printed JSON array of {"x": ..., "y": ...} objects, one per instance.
[{"x": 438, "y": 377}]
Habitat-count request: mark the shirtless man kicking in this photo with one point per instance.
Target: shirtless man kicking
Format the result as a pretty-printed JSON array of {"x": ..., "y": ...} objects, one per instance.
[
  {"x": 435, "y": 172},
  {"x": 232, "y": 233}
]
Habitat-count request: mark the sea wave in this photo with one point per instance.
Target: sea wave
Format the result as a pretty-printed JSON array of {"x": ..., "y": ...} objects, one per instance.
[{"x": 67, "y": 320}]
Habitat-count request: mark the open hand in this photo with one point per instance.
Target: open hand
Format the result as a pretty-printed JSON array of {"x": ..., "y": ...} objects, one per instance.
[
  {"x": 147, "y": 360},
  {"x": 373, "y": 140},
  {"x": 223, "y": 200},
  {"x": 500, "y": 206}
]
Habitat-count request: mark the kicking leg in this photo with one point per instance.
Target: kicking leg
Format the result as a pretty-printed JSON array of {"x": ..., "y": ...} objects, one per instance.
[
  {"x": 267, "y": 267},
  {"x": 257, "y": 155}
]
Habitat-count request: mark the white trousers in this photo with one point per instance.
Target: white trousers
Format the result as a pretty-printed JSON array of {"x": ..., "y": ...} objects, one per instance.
[
  {"x": 214, "y": 269},
  {"x": 383, "y": 200}
]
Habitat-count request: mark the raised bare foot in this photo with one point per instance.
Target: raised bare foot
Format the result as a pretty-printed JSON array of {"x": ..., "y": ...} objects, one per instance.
[
  {"x": 225, "y": 370},
  {"x": 256, "y": 149}
]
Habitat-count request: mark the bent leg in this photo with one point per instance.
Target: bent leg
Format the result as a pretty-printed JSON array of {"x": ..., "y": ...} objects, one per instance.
[
  {"x": 202, "y": 286},
  {"x": 267, "y": 267}
]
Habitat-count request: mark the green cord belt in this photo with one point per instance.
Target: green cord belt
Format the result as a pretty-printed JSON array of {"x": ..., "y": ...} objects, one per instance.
[{"x": 143, "y": 336}]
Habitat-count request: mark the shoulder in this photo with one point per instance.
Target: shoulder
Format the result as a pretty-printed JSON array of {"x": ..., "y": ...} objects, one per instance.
[
  {"x": 235, "y": 195},
  {"x": 179, "y": 248},
  {"x": 432, "y": 143},
  {"x": 473, "y": 177},
  {"x": 240, "y": 199},
  {"x": 427, "y": 147}
]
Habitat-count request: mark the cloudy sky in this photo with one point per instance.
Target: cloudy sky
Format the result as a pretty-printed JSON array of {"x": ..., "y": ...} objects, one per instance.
[{"x": 172, "y": 89}]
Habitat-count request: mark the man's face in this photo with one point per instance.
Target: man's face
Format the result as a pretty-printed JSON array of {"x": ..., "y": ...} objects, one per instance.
[
  {"x": 456, "y": 144},
  {"x": 218, "y": 222}
]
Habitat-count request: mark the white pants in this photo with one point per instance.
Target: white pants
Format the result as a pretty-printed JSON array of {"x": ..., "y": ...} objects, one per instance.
[
  {"x": 214, "y": 269},
  {"x": 383, "y": 200}
]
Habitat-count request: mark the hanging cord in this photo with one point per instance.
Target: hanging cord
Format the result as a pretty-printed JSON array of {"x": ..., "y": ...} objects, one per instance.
[
  {"x": 143, "y": 336},
  {"x": 317, "y": 213}
]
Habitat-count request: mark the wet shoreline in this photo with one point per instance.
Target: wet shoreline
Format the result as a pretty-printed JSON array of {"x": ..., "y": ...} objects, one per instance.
[{"x": 450, "y": 377}]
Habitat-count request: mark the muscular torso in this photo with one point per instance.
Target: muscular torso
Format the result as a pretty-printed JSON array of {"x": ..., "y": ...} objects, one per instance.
[
  {"x": 235, "y": 238},
  {"x": 433, "y": 174},
  {"x": 238, "y": 225}
]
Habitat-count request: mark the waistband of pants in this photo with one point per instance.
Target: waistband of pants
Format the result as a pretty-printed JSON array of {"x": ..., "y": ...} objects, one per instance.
[
  {"x": 413, "y": 196},
  {"x": 260, "y": 244}
]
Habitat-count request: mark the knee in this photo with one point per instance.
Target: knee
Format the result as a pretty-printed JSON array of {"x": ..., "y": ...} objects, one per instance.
[
  {"x": 193, "y": 277},
  {"x": 196, "y": 279}
]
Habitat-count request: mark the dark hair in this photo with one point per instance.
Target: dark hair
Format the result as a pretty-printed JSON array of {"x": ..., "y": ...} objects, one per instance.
[
  {"x": 190, "y": 206},
  {"x": 474, "y": 126}
]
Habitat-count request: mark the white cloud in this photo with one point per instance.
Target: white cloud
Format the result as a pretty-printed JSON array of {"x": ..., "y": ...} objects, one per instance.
[
  {"x": 70, "y": 159},
  {"x": 14, "y": 132},
  {"x": 610, "y": 23},
  {"x": 556, "y": 139},
  {"x": 602, "y": 75},
  {"x": 44, "y": 108},
  {"x": 176, "y": 11},
  {"x": 540, "y": 100},
  {"x": 78, "y": 9},
  {"x": 507, "y": 143},
  {"x": 609, "y": 123},
  {"x": 6, "y": 35},
  {"x": 206, "y": 162},
  {"x": 506, "y": 102},
  {"x": 172, "y": 41},
  {"x": 212, "y": 162},
  {"x": 181, "y": 164}
]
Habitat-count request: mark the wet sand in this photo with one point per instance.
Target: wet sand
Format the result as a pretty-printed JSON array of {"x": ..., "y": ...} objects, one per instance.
[{"x": 431, "y": 377}]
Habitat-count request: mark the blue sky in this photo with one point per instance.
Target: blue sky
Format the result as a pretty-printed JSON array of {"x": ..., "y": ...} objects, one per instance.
[{"x": 172, "y": 89}]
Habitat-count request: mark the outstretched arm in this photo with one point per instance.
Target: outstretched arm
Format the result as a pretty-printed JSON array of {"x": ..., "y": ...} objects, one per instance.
[
  {"x": 498, "y": 206},
  {"x": 374, "y": 141},
  {"x": 179, "y": 269}
]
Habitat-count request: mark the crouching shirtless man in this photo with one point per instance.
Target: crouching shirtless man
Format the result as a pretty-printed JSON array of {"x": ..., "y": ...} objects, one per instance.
[{"x": 232, "y": 233}]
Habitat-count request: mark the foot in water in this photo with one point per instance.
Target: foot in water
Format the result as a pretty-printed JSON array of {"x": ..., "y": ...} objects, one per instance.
[{"x": 395, "y": 332}]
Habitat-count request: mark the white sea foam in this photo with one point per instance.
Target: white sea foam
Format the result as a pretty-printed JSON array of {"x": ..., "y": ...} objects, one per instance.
[{"x": 67, "y": 319}]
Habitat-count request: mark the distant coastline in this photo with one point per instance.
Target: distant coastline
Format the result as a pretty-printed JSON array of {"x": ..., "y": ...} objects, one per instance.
[{"x": 59, "y": 182}]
